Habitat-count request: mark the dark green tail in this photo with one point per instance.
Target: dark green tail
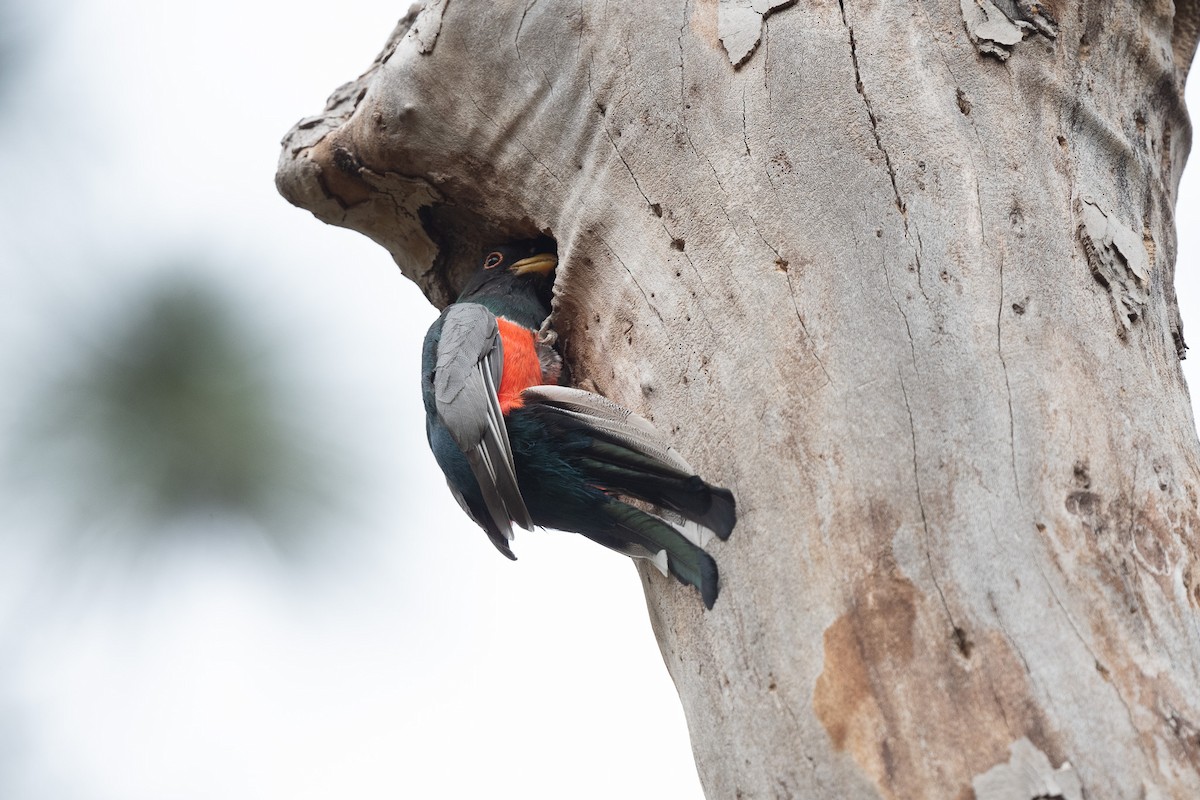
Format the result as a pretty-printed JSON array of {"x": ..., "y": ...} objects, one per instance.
[
  {"x": 573, "y": 470},
  {"x": 646, "y": 478}
]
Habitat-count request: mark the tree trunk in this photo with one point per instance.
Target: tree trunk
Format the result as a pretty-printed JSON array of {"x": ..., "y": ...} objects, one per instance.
[{"x": 901, "y": 276}]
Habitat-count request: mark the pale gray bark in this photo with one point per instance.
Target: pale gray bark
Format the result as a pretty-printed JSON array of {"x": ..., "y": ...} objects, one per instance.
[{"x": 903, "y": 280}]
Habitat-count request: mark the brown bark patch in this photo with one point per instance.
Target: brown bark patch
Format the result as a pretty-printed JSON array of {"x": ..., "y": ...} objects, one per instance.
[
  {"x": 1155, "y": 540},
  {"x": 844, "y": 698},
  {"x": 974, "y": 702}
]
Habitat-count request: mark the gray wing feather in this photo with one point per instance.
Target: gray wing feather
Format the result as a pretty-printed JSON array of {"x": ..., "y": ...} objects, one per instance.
[
  {"x": 470, "y": 358},
  {"x": 633, "y": 431}
]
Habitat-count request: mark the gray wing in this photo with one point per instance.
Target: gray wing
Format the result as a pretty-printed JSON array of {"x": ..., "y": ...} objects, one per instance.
[
  {"x": 630, "y": 429},
  {"x": 470, "y": 357}
]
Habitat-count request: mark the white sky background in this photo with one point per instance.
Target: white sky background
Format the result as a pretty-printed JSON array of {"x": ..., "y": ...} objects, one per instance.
[{"x": 408, "y": 659}]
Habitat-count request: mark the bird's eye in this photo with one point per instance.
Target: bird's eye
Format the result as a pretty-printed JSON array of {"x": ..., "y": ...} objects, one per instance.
[{"x": 493, "y": 260}]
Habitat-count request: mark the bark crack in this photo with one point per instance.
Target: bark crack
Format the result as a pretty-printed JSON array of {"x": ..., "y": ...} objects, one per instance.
[
  {"x": 887, "y": 158},
  {"x": 621, "y": 156},
  {"x": 745, "y": 137},
  {"x": 804, "y": 328},
  {"x": 1008, "y": 635},
  {"x": 990, "y": 676},
  {"x": 516, "y": 139},
  {"x": 687, "y": 133},
  {"x": 1012, "y": 429},
  {"x": 1075, "y": 629},
  {"x": 521, "y": 24},
  {"x": 918, "y": 249},
  {"x": 782, "y": 264},
  {"x": 912, "y": 429},
  {"x": 634, "y": 279},
  {"x": 679, "y": 44},
  {"x": 862, "y": 91},
  {"x": 517, "y": 44},
  {"x": 766, "y": 45},
  {"x": 912, "y": 349}
]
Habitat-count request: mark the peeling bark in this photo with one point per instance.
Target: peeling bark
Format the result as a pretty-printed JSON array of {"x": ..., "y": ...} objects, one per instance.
[
  {"x": 739, "y": 24},
  {"x": 863, "y": 262}
]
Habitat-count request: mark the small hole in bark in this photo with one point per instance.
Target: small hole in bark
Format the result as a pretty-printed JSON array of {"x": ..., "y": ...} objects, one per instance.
[
  {"x": 1081, "y": 474},
  {"x": 345, "y": 161},
  {"x": 657, "y": 209},
  {"x": 678, "y": 244},
  {"x": 1018, "y": 308},
  {"x": 964, "y": 104},
  {"x": 965, "y": 646},
  {"x": 781, "y": 264}
]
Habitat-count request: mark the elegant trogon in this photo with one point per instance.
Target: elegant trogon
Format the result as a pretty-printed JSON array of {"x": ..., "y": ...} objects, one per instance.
[{"x": 516, "y": 447}]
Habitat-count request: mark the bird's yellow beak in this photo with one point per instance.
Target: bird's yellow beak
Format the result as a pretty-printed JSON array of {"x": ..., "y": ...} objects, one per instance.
[{"x": 541, "y": 264}]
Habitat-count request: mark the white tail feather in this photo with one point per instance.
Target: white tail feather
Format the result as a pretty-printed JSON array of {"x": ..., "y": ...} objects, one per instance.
[{"x": 694, "y": 532}]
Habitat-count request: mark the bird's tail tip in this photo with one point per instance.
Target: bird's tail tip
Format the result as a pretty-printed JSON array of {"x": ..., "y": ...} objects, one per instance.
[{"x": 701, "y": 573}]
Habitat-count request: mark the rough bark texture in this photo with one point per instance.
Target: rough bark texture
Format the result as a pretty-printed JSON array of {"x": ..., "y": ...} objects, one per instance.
[{"x": 903, "y": 280}]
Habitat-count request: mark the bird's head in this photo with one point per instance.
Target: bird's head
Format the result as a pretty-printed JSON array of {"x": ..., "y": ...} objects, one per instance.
[
  {"x": 525, "y": 257},
  {"x": 525, "y": 264}
]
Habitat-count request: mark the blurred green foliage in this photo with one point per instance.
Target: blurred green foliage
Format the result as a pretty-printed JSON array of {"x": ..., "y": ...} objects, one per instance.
[{"x": 175, "y": 410}]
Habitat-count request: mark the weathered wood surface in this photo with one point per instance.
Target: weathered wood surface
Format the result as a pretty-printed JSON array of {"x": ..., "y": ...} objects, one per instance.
[{"x": 903, "y": 281}]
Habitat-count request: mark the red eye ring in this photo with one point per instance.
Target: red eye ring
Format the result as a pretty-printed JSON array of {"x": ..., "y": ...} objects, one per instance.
[{"x": 493, "y": 260}]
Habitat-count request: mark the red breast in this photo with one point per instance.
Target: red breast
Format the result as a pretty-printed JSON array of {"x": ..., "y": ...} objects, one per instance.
[{"x": 521, "y": 366}]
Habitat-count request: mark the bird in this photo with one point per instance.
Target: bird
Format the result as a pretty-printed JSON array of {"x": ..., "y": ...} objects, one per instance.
[{"x": 519, "y": 447}]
